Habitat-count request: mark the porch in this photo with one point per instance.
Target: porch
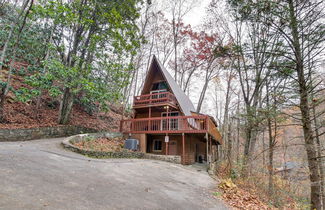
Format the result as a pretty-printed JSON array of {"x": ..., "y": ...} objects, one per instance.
[
  {"x": 193, "y": 138},
  {"x": 155, "y": 99},
  {"x": 178, "y": 124},
  {"x": 180, "y": 148}
]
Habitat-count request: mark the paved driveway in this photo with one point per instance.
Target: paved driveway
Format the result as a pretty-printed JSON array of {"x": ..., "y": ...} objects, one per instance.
[{"x": 42, "y": 175}]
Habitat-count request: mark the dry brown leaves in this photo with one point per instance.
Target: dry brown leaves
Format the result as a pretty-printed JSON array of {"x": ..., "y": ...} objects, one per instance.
[
  {"x": 239, "y": 198},
  {"x": 101, "y": 144},
  {"x": 25, "y": 115},
  {"x": 20, "y": 115}
]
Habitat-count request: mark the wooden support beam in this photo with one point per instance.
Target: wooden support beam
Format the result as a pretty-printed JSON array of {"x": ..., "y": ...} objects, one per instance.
[
  {"x": 183, "y": 148},
  {"x": 167, "y": 124},
  {"x": 210, "y": 141},
  {"x": 167, "y": 148},
  {"x": 149, "y": 122},
  {"x": 167, "y": 120},
  {"x": 207, "y": 139}
]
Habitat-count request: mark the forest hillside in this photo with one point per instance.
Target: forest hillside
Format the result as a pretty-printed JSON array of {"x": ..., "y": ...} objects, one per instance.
[
  {"x": 257, "y": 67},
  {"x": 27, "y": 115}
]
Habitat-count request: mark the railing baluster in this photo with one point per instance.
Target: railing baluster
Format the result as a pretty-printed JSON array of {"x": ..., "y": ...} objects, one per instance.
[{"x": 166, "y": 124}]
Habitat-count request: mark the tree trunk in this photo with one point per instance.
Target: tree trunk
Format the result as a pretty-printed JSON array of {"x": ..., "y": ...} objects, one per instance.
[
  {"x": 2, "y": 103},
  {"x": 202, "y": 95},
  {"x": 229, "y": 150},
  {"x": 47, "y": 53},
  {"x": 250, "y": 137},
  {"x": 246, "y": 157},
  {"x": 5, "y": 46},
  {"x": 175, "y": 49},
  {"x": 66, "y": 106},
  {"x": 188, "y": 80},
  {"x": 315, "y": 197},
  {"x": 205, "y": 87},
  {"x": 263, "y": 146},
  {"x": 5, "y": 89},
  {"x": 321, "y": 171},
  {"x": 238, "y": 140},
  {"x": 270, "y": 167},
  {"x": 311, "y": 150},
  {"x": 271, "y": 142},
  {"x": 254, "y": 124},
  {"x": 319, "y": 154}
]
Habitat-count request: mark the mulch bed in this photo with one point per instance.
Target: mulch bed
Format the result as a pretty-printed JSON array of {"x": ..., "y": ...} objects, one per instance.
[{"x": 101, "y": 144}]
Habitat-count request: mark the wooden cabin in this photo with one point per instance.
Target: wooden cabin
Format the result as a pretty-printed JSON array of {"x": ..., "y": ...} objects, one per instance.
[{"x": 165, "y": 121}]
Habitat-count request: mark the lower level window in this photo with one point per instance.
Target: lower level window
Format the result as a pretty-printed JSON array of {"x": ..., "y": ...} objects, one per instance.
[{"x": 157, "y": 145}]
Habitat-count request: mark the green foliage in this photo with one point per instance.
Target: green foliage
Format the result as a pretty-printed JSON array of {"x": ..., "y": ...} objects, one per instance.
[
  {"x": 25, "y": 94},
  {"x": 217, "y": 194},
  {"x": 85, "y": 46}
]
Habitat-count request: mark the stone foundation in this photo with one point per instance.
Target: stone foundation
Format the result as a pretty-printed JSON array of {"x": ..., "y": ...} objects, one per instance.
[
  {"x": 68, "y": 144},
  {"x": 41, "y": 133},
  {"x": 168, "y": 158}
]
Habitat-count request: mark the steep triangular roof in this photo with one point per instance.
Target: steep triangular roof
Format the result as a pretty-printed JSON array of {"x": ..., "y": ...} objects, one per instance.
[{"x": 183, "y": 100}]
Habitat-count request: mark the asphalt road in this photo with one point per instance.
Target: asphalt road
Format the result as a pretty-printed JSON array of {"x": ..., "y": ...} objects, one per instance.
[{"x": 41, "y": 174}]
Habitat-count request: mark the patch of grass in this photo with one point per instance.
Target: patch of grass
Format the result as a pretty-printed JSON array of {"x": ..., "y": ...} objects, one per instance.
[{"x": 217, "y": 194}]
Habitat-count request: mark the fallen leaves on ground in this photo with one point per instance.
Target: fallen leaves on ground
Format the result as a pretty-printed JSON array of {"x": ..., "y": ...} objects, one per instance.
[
  {"x": 101, "y": 144},
  {"x": 21, "y": 115},
  {"x": 239, "y": 198},
  {"x": 25, "y": 115}
]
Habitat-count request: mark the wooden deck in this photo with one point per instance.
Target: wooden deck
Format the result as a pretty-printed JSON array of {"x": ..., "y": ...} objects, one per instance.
[
  {"x": 179, "y": 124},
  {"x": 155, "y": 99}
]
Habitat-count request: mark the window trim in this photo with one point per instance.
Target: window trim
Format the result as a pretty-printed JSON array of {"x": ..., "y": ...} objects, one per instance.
[
  {"x": 160, "y": 90},
  {"x": 171, "y": 122},
  {"x": 153, "y": 145},
  {"x": 169, "y": 114}
]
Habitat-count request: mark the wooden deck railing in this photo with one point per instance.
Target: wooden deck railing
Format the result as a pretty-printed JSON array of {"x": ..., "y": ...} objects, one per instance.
[
  {"x": 179, "y": 124},
  {"x": 154, "y": 99}
]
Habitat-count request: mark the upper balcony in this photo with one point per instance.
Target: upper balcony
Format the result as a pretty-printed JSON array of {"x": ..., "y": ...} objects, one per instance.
[{"x": 155, "y": 99}]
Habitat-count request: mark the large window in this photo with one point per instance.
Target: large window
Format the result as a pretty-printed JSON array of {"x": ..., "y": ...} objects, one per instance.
[
  {"x": 160, "y": 86},
  {"x": 157, "y": 145}
]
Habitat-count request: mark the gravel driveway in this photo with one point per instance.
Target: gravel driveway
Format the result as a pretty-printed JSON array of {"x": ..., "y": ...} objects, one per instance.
[{"x": 40, "y": 174}]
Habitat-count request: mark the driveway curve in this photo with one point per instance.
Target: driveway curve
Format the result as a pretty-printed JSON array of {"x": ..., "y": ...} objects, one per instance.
[{"x": 40, "y": 174}]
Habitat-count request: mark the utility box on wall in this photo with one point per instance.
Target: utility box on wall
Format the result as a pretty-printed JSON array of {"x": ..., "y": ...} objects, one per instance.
[{"x": 131, "y": 144}]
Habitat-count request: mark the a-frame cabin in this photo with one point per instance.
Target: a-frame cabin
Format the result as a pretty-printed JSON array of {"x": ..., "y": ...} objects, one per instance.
[{"x": 165, "y": 121}]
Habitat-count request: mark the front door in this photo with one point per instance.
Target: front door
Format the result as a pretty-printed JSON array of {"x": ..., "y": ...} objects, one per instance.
[
  {"x": 172, "y": 123},
  {"x": 172, "y": 148}
]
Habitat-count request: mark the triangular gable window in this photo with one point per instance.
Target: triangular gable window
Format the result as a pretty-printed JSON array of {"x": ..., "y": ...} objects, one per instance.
[{"x": 160, "y": 86}]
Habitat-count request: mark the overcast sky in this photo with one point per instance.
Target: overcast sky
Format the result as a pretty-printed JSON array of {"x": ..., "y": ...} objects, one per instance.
[
  {"x": 196, "y": 18},
  {"x": 197, "y": 14}
]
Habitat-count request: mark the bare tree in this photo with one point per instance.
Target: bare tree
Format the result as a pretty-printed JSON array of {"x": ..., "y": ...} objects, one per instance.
[
  {"x": 305, "y": 16},
  {"x": 178, "y": 9}
]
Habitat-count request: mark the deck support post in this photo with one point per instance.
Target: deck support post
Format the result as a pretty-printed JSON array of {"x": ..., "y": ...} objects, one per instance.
[
  {"x": 167, "y": 146},
  {"x": 207, "y": 139},
  {"x": 167, "y": 115},
  {"x": 183, "y": 148},
  {"x": 149, "y": 123},
  {"x": 210, "y": 141}
]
